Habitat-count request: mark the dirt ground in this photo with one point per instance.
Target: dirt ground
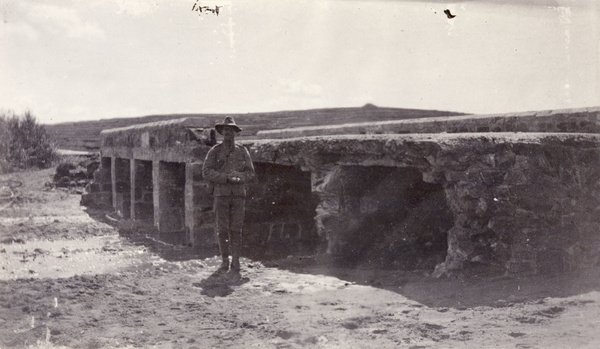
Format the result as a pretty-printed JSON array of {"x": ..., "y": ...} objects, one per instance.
[{"x": 70, "y": 278}]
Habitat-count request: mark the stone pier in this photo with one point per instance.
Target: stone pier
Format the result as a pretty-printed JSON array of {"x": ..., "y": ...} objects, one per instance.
[
  {"x": 506, "y": 202},
  {"x": 151, "y": 173}
]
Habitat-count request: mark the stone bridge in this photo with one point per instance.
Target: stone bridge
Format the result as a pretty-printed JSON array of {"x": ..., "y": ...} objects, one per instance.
[{"x": 512, "y": 193}]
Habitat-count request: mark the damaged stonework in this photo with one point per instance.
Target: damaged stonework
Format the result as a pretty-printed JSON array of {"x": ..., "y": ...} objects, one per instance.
[
  {"x": 505, "y": 202},
  {"x": 508, "y": 202}
]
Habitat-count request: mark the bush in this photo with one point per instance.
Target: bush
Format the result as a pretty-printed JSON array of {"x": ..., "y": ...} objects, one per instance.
[{"x": 24, "y": 143}]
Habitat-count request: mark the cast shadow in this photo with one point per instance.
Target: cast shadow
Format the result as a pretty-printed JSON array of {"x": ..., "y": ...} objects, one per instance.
[
  {"x": 144, "y": 234},
  {"x": 459, "y": 291},
  {"x": 220, "y": 284}
]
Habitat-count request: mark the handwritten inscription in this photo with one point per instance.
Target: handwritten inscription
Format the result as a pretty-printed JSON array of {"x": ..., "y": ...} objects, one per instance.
[{"x": 205, "y": 9}]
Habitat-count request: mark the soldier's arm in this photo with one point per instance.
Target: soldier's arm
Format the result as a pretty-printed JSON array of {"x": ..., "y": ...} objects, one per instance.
[
  {"x": 248, "y": 174},
  {"x": 209, "y": 168}
]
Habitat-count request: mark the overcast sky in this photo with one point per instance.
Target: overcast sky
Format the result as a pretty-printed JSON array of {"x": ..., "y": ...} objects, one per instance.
[{"x": 84, "y": 60}]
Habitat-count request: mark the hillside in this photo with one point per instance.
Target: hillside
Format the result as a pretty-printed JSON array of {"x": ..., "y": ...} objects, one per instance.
[{"x": 85, "y": 135}]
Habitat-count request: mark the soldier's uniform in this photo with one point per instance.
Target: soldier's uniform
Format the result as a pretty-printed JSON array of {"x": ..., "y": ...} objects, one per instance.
[{"x": 228, "y": 168}]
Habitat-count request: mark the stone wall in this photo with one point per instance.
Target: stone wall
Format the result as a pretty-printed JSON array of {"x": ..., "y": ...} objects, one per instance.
[
  {"x": 507, "y": 202},
  {"x": 583, "y": 120},
  {"x": 522, "y": 203},
  {"x": 162, "y": 134}
]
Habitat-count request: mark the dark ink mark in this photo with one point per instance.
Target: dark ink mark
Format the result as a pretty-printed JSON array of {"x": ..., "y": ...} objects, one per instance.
[
  {"x": 450, "y": 15},
  {"x": 205, "y": 9}
]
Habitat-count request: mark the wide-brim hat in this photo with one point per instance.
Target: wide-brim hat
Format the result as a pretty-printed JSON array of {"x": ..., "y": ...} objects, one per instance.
[{"x": 228, "y": 122}]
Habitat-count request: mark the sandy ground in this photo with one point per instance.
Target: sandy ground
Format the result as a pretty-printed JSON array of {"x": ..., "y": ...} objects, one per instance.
[{"x": 70, "y": 280}]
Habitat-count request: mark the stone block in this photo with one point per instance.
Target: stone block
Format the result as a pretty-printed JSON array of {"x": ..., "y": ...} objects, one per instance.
[
  {"x": 504, "y": 159},
  {"x": 502, "y": 225},
  {"x": 516, "y": 176},
  {"x": 492, "y": 178},
  {"x": 94, "y": 188},
  {"x": 196, "y": 171},
  {"x": 202, "y": 196}
]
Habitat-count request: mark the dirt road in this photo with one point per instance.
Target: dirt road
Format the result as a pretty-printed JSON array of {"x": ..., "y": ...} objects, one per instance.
[{"x": 69, "y": 280}]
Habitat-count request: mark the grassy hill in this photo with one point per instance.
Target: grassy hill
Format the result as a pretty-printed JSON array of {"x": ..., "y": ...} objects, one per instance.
[{"x": 85, "y": 135}]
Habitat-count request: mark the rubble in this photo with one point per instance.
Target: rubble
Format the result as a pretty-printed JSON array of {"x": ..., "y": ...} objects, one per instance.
[{"x": 75, "y": 177}]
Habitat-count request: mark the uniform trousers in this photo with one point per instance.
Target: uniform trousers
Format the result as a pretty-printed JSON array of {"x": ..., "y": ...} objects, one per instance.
[{"x": 229, "y": 214}]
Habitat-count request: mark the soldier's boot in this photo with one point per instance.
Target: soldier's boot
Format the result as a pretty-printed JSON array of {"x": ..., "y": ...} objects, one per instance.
[
  {"x": 225, "y": 263},
  {"x": 235, "y": 262},
  {"x": 236, "y": 246}
]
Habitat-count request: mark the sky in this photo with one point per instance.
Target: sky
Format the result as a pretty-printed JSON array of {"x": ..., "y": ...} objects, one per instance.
[{"x": 71, "y": 60}]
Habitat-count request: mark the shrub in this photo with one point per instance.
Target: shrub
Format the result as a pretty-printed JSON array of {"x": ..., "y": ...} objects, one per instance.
[{"x": 24, "y": 143}]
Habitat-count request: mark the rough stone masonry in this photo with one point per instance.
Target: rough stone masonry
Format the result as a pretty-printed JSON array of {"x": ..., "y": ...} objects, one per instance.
[
  {"x": 517, "y": 202},
  {"x": 503, "y": 202}
]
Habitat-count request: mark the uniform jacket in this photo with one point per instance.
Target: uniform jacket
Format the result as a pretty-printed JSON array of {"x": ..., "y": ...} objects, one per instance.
[{"x": 221, "y": 162}]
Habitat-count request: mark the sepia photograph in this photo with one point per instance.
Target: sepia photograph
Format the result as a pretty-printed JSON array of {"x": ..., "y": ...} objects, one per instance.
[{"x": 299, "y": 174}]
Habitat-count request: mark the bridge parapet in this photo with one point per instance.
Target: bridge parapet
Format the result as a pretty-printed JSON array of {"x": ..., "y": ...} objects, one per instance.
[
  {"x": 582, "y": 120},
  {"x": 161, "y": 134}
]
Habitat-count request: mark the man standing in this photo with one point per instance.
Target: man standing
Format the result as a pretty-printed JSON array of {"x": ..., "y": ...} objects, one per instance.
[{"x": 228, "y": 167}]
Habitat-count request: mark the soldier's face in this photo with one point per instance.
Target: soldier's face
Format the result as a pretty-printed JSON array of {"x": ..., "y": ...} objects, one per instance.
[{"x": 228, "y": 133}]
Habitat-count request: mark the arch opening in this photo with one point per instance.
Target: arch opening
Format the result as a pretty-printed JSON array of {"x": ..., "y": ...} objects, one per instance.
[
  {"x": 280, "y": 211},
  {"x": 390, "y": 217}
]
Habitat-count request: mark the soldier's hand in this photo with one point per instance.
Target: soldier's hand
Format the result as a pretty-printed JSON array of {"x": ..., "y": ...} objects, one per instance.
[{"x": 234, "y": 179}]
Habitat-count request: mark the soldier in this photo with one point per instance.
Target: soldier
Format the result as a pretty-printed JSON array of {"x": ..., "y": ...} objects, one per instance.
[{"x": 228, "y": 167}]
